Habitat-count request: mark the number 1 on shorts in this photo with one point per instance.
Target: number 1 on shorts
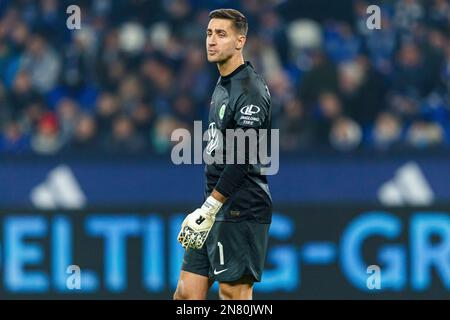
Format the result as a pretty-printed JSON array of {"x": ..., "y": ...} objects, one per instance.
[{"x": 220, "y": 253}]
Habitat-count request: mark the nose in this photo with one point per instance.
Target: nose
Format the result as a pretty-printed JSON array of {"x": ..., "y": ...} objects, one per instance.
[{"x": 211, "y": 41}]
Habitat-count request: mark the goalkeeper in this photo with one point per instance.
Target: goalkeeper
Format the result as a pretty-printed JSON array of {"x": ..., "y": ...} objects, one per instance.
[{"x": 226, "y": 239}]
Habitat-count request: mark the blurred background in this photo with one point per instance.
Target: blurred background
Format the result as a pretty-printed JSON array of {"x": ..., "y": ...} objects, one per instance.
[{"x": 86, "y": 118}]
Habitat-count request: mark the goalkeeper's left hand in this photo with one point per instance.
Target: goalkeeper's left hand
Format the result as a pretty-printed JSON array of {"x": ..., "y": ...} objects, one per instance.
[{"x": 196, "y": 226}]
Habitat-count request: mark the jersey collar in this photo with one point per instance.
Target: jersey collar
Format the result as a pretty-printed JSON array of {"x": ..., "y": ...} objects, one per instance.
[{"x": 235, "y": 72}]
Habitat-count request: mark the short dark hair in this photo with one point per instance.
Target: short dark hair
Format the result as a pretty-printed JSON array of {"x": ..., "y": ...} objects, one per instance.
[{"x": 239, "y": 20}]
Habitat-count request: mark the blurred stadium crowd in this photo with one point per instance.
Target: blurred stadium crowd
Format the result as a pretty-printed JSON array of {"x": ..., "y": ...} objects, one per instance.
[{"x": 137, "y": 70}]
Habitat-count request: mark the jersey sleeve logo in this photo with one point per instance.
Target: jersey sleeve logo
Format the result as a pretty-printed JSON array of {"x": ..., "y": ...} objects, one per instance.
[
  {"x": 213, "y": 138},
  {"x": 250, "y": 110}
]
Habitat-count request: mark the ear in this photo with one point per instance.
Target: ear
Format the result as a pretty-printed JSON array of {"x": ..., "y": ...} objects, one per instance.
[{"x": 240, "y": 42}]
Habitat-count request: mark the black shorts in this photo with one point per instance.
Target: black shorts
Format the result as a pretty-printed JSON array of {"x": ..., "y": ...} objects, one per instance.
[{"x": 232, "y": 250}]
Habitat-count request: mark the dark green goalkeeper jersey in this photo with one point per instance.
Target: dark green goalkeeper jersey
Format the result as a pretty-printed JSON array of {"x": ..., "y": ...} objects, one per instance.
[{"x": 240, "y": 100}]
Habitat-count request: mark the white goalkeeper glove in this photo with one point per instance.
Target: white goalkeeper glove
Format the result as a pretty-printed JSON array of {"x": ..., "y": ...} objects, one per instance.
[{"x": 196, "y": 226}]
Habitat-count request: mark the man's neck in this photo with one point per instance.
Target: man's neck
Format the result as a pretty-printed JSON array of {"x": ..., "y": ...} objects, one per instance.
[{"x": 230, "y": 65}]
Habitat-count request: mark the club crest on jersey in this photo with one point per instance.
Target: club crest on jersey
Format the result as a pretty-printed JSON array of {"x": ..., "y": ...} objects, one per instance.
[
  {"x": 222, "y": 111},
  {"x": 250, "y": 110}
]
